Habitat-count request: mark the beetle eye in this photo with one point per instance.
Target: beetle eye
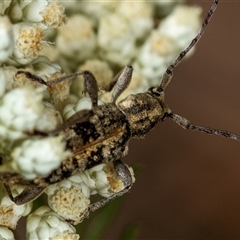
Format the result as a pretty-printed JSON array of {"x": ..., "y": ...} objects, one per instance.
[{"x": 155, "y": 91}]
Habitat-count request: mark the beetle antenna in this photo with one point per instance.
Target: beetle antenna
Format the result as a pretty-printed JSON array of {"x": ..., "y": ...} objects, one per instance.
[{"x": 169, "y": 72}]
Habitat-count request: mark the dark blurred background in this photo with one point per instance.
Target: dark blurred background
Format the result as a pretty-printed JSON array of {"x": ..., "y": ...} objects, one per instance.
[{"x": 189, "y": 183}]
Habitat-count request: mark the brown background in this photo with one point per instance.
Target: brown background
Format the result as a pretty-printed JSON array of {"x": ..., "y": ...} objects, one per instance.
[{"x": 189, "y": 185}]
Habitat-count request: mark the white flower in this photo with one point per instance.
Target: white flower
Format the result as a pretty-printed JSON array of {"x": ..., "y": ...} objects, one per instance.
[
  {"x": 6, "y": 234},
  {"x": 20, "y": 80},
  {"x": 77, "y": 40},
  {"x": 182, "y": 24},
  {"x": 101, "y": 71},
  {"x": 60, "y": 91},
  {"x": 84, "y": 103},
  {"x": 68, "y": 111},
  {"x": 45, "y": 11},
  {"x": 117, "y": 44},
  {"x": 10, "y": 213},
  {"x": 140, "y": 16},
  {"x": 57, "y": 92},
  {"x": 7, "y": 73},
  {"x": 37, "y": 158},
  {"x": 69, "y": 198},
  {"x": 44, "y": 224},
  {"x": 84, "y": 177},
  {"x": 98, "y": 10},
  {"x": 44, "y": 67},
  {"x": 155, "y": 55},
  {"x": 6, "y": 36},
  {"x": 28, "y": 42},
  {"x": 51, "y": 110},
  {"x": 106, "y": 179},
  {"x": 54, "y": 94},
  {"x": 48, "y": 71},
  {"x": 51, "y": 52},
  {"x": 22, "y": 109},
  {"x": 31, "y": 12}
]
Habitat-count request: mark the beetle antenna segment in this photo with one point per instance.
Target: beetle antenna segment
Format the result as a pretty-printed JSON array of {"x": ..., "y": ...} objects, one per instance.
[{"x": 169, "y": 72}]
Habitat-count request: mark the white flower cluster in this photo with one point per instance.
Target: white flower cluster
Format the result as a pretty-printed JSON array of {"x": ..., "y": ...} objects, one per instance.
[
  {"x": 27, "y": 107},
  {"x": 31, "y": 19},
  {"x": 102, "y": 38},
  {"x": 70, "y": 198},
  {"x": 46, "y": 224},
  {"x": 83, "y": 103},
  {"x": 118, "y": 33},
  {"x": 25, "y": 161}
]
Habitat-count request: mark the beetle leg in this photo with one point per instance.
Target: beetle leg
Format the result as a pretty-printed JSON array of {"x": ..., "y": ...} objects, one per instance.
[
  {"x": 125, "y": 175},
  {"x": 120, "y": 82},
  {"x": 90, "y": 83},
  {"x": 27, "y": 195},
  {"x": 91, "y": 87}
]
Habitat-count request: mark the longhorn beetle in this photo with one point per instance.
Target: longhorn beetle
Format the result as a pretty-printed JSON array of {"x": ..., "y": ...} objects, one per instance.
[{"x": 102, "y": 134}]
